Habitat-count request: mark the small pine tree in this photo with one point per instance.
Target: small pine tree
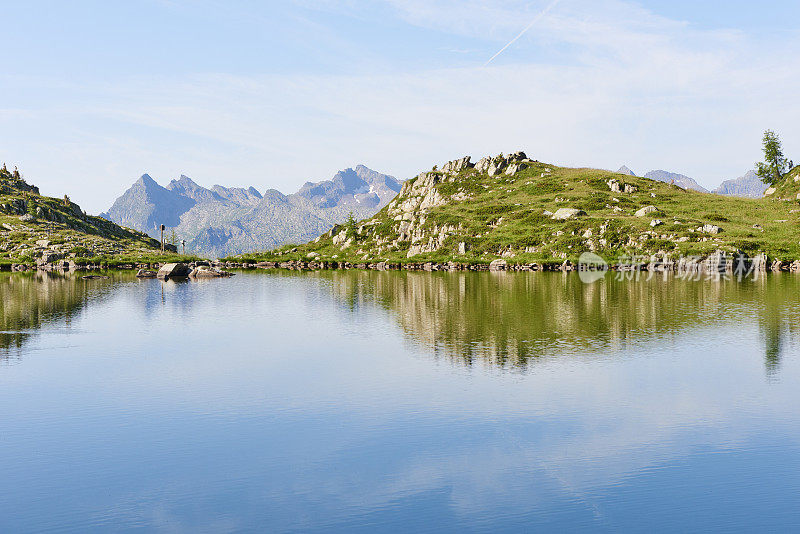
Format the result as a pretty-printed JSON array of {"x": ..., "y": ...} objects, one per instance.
[
  {"x": 66, "y": 201},
  {"x": 17, "y": 175},
  {"x": 351, "y": 225},
  {"x": 31, "y": 207},
  {"x": 773, "y": 168}
]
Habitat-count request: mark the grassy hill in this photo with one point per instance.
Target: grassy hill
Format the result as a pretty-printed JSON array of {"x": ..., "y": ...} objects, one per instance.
[
  {"x": 522, "y": 210},
  {"x": 35, "y": 228}
]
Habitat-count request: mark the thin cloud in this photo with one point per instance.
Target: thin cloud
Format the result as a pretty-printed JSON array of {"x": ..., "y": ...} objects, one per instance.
[{"x": 538, "y": 17}]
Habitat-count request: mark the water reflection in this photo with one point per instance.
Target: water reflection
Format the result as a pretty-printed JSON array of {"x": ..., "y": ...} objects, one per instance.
[
  {"x": 497, "y": 319},
  {"x": 513, "y": 320},
  {"x": 279, "y": 401},
  {"x": 31, "y": 301}
]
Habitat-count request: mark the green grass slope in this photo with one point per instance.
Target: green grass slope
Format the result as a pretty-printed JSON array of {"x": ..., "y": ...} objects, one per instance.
[
  {"x": 462, "y": 213},
  {"x": 33, "y": 227}
]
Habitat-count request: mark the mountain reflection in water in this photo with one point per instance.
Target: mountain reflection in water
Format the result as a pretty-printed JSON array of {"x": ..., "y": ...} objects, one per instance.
[
  {"x": 513, "y": 319},
  {"x": 509, "y": 320}
]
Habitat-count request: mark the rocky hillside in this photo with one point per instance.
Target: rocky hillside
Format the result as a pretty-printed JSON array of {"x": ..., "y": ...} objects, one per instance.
[
  {"x": 523, "y": 210},
  {"x": 788, "y": 190},
  {"x": 221, "y": 221},
  {"x": 35, "y": 228}
]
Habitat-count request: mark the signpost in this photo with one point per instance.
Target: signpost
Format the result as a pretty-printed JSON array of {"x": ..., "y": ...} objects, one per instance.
[{"x": 162, "y": 238}]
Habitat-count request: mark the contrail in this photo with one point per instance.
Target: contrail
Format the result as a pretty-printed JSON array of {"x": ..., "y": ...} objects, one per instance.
[{"x": 539, "y": 17}]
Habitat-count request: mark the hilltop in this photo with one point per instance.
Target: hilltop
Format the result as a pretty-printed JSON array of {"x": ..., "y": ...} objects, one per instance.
[
  {"x": 522, "y": 210},
  {"x": 222, "y": 220},
  {"x": 36, "y": 229}
]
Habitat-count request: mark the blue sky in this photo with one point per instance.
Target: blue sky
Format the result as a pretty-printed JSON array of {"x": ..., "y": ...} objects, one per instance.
[{"x": 272, "y": 94}]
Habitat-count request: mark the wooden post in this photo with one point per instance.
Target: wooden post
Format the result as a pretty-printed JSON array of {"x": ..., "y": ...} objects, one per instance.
[{"x": 162, "y": 238}]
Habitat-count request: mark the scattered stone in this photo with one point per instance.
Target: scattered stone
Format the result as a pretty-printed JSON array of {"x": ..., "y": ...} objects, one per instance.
[
  {"x": 312, "y": 255},
  {"x": 646, "y": 211},
  {"x": 770, "y": 191},
  {"x": 567, "y": 213},
  {"x": 144, "y": 273},
  {"x": 656, "y": 222},
  {"x": 710, "y": 229}
]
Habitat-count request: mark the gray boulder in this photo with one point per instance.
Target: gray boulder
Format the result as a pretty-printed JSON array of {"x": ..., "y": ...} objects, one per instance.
[
  {"x": 173, "y": 270},
  {"x": 209, "y": 272},
  {"x": 646, "y": 211},
  {"x": 567, "y": 213}
]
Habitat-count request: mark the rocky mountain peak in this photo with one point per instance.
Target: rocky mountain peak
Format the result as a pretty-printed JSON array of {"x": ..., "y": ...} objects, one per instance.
[
  {"x": 228, "y": 220},
  {"x": 677, "y": 179},
  {"x": 749, "y": 185}
]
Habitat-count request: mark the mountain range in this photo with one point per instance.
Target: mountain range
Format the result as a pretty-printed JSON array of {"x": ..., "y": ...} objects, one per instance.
[
  {"x": 749, "y": 185},
  {"x": 517, "y": 212},
  {"x": 221, "y": 221}
]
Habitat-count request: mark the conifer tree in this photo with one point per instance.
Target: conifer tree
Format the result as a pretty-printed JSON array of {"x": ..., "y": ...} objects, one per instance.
[{"x": 774, "y": 166}]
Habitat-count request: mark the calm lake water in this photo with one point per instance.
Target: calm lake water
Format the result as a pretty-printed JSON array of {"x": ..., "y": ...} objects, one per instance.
[{"x": 408, "y": 402}]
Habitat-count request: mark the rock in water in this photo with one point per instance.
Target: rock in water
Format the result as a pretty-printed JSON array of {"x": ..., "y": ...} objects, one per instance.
[
  {"x": 173, "y": 270},
  {"x": 144, "y": 273},
  {"x": 209, "y": 272}
]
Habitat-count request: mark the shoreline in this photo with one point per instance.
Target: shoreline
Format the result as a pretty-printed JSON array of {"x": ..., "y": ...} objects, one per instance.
[{"x": 716, "y": 263}]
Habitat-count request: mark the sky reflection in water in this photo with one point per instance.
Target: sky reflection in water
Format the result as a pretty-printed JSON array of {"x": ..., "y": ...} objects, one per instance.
[{"x": 398, "y": 401}]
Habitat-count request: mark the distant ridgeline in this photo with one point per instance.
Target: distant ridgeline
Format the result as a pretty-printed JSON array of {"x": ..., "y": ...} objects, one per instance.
[
  {"x": 36, "y": 228},
  {"x": 222, "y": 221},
  {"x": 748, "y": 186},
  {"x": 521, "y": 210}
]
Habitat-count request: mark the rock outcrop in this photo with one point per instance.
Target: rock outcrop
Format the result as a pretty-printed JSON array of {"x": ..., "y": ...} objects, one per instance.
[{"x": 174, "y": 270}]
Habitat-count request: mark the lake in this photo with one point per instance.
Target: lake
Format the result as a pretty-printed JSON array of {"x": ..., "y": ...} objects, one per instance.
[{"x": 399, "y": 402}]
